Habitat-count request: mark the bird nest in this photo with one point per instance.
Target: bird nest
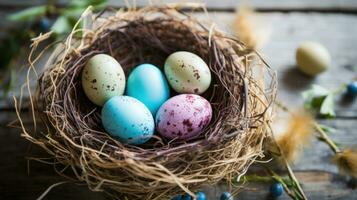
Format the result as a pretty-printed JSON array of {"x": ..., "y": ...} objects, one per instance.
[{"x": 241, "y": 95}]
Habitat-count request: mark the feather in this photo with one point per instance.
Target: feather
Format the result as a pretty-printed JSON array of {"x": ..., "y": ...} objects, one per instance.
[
  {"x": 296, "y": 136},
  {"x": 249, "y": 28},
  {"x": 346, "y": 161}
]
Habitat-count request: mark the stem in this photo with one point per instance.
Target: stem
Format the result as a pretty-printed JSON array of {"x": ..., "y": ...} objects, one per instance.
[
  {"x": 290, "y": 171},
  {"x": 292, "y": 176},
  {"x": 340, "y": 89},
  {"x": 324, "y": 137},
  {"x": 256, "y": 178}
]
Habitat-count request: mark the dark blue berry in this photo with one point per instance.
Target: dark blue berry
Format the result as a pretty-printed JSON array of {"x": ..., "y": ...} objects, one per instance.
[
  {"x": 226, "y": 196},
  {"x": 186, "y": 197},
  {"x": 44, "y": 24},
  {"x": 201, "y": 196},
  {"x": 352, "y": 88},
  {"x": 178, "y": 197},
  {"x": 276, "y": 190}
]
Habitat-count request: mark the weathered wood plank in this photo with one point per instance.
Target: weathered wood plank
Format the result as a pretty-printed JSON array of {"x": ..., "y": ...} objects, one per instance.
[
  {"x": 17, "y": 182},
  {"x": 346, "y": 5},
  {"x": 288, "y": 31},
  {"x": 319, "y": 178}
]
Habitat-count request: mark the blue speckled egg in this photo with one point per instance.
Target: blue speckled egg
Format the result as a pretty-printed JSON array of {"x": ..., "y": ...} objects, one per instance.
[
  {"x": 186, "y": 197},
  {"x": 128, "y": 120},
  {"x": 201, "y": 196},
  {"x": 149, "y": 85}
]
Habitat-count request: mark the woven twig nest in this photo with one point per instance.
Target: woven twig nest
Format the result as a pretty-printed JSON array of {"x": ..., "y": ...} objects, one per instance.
[{"x": 241, "y": 93}]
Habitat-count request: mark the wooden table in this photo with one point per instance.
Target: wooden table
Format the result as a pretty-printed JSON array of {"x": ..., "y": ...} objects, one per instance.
[{"x": 331, "y": 22}]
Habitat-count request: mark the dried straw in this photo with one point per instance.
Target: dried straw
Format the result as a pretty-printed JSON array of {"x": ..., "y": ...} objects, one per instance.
[{"x": 159, "y": 169}]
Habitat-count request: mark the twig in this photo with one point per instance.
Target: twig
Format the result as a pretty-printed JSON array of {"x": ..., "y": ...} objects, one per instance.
[
  {"x": 49, "y": 189},
  {"x": 324, "y": 137},
  {"x": 293, "y": 177},
  {"x": 290, "y": 171}
]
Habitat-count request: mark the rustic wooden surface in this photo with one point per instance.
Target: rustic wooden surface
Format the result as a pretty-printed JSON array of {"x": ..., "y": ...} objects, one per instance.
[
  {"x": 336, "y": 30},
  {"x": 264, "y": 5}
]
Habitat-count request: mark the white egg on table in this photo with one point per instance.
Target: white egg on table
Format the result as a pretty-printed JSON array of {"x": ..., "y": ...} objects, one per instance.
[{"x": 312, "y": 58}]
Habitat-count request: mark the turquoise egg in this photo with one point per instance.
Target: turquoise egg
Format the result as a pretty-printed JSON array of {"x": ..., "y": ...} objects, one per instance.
[
  {"x": 128, "y": 120},
  {"x": 148, "y": 84}
]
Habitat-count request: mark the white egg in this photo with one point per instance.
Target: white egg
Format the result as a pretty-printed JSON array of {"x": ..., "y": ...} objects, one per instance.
[{"x": 312, "y": 58}]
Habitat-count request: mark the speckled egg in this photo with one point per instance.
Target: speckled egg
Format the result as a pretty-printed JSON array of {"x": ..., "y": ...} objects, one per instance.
[
  {"x": 128, "y": 120},
  {"x": 183, "y": 116},
  {"x": 187, "y": 73},
  {"x": 148, "y": 84},
  {"x": 102, "y": 78}
]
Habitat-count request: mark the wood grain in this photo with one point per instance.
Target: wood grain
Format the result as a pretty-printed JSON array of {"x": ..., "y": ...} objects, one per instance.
[
  {"x": 270, "y": 5},
  {"x": 288, "y": 30},
  {"x": 319, "y": 177}
]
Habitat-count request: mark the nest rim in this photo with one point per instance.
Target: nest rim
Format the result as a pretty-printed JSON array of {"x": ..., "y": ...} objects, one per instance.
[{"x": 152, "y": 165}]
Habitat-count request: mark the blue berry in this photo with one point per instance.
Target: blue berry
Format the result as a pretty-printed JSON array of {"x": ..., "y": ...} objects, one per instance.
[
  {"x": 352, "y": 88},
  {"x": 44, "y": 24},
  {"x": 178, "y": 197},
  {"x": 186, "y": 197},
  {"x": 276, "y": 190},
  {"x": 201, "y": 196},
  {"x": 226, "y": 196}
]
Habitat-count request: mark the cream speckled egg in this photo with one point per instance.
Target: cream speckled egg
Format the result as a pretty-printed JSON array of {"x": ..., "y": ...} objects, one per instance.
[
  {"x": 187, "y": 73},
  {"x": 102, "y": 78},
  {"x": 312, "y": 58}
]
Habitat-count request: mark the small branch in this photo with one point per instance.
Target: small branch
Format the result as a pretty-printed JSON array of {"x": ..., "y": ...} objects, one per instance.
[
  {"x": 256, "y": 178},
  {"x": 324, "y": 137},
  {"x": 340, "y": 89},
  {"x": 293, "y": 177},
  {"x": 300, "y": 192}
]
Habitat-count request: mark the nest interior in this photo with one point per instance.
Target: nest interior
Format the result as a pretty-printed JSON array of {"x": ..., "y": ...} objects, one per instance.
[{"x": 241, "y": 93}]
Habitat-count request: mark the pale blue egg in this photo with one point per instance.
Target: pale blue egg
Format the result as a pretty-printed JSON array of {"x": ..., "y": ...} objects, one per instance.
[
  {"x": 148, "y": 84},
  {"x": 128, "y": 120}
]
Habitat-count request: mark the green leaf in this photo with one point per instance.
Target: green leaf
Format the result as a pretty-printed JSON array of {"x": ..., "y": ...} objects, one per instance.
[
  {"x": 62, "y": 25},
  {"x": 315, "y": 91},
  {"x": 314, "y": 96},
  {"x": 327, "y": 107},
  {"x": 28, "y": 14},
  {"x": 320, "y": 100},
  {"x": 86, "y": 3},
  {"x": 9, "y": 84},
  {"x": 74, "y": 12}
]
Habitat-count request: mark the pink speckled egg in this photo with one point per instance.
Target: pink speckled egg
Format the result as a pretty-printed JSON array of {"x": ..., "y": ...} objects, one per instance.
[{"x": 183, "y": 116}]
